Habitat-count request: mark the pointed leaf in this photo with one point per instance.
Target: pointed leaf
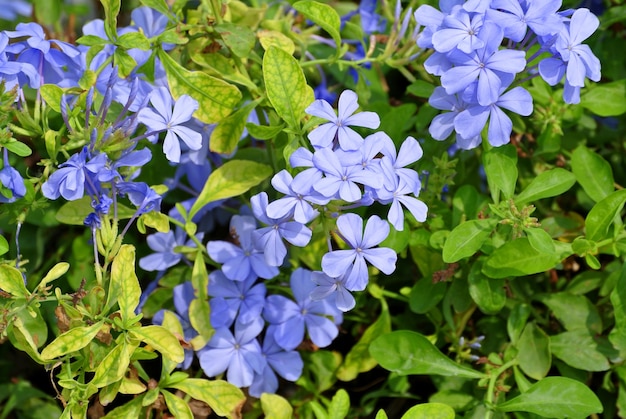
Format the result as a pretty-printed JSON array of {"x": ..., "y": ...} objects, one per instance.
[
  {"x": 233, "y": 178},
  {"x": 114, "y": 365},
  {"x": 518, "y": 258},
  {"x": 124, "y": 285},
  {"x": 602, "y": 215},
  {"x": 405, "y": 352},
  {"x": 177, "y": 406},
  {"x": 595, "y": 99},
  {"x": 239, "y": 39},
  {"x": 501, "y": 170},
  {"x": 466, "y": 239},
  {"x": 593, "y": 173},
  {"x": 162, "y": 340},
  {"x": 547, "y": 184},
  {"x": 555, "y": 397},
  {"x": 534, "y": 352},
  {"x": 286, "y": 86},
  {"x": 322, "y": 15},
  {"x": 227, "y": 133},
  {"x": 71, "y": 341}
]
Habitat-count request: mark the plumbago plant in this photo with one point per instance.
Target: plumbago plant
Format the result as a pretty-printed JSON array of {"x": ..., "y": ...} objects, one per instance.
[{"x": 313, "y": 209}]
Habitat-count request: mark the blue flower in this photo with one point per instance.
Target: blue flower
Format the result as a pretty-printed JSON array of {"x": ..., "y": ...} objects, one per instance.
[
  {"x": 141, "y": 195},
  {"x": 234, "y": 300},
  {"x": 341, "y": 181},
  {"x": 293, "y": 317},
  {"x": 164, "y": 247},
  {"x": 164, "y": 118},
  {"x": 240, "y": 353},
  {"x": 351, "y": 262},
  {"x": 298, "y": 199},
  {"x": 287, "y": 364},
  {"x": 459, "y": 30},
  {"x": 12, "y": 182},
  {"x": 270, "y": 238},
  {"x": 69, "y": 180},
  {"x": 338, "y": 127},
  {"x": 488, "y": 66},
  {"x": 242, "y": 260},
  {"x": 515, "y": 17},
  {"x": 9, "y": 9},
  {"x": 333, "y": 288},
  {"x": 472, "y": 120}
]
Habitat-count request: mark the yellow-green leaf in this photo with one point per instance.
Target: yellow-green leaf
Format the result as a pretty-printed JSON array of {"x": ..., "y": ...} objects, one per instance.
[
  {"x": 429, "y": 411},
  {"x": 269, "y": 38},
  {"x": 275, "y": 406},
  {"x": 124, "y": 286},
  {"x": 227, "y": 133},
  {"x": 162, "y": 340},
  {"x": 114, "y": 365},
  {"x": 239, "y": 39},
  {"x": 233, "y": 178},
  {"x": 177, "y": 406},
  {"x": 157, "y": 220},
  {"x": 11, "y": 281},
  {"x": 224, "y": 398},
  {"x": 71, "y": 341},
  {"x": 286, "y": 86},
  {"x": 216, "y": 98},
  {"x": 131, "y": 409},
  {"x": 56, "y": 272},
  {"x": 52, "y": 94},
  {"x": 324, "y": 16}
]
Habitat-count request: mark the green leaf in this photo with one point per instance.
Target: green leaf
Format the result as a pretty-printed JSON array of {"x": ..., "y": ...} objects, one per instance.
[
  {"x": 157, "y": 220},
  {"x": 199, "y": 308},
  {"x": 48, "y": 12},
  {"x": 501, "y": 170},
  {"x": 466, "y": 204},
  {"x": 556, "y": 397},
  {"x": 4, "y": 246},
  {"x": 111, "y": 10},
  {"x": 224, "y": 398},
  {"x": 381, "y": 414},
  {"x": 421, "y": 88},
  {"x": 239, "y": 39},
  {"x": 540, "y": 240},
  {"x": 12, "y": 281},
  {"x": 216, "y": 98},
  {"x": 517, "y": 321},
  {"x": 162, "y": 340},
  {"x": 596, "y": 98},
  {"x": 466, "y": 239},
  {"x": 124, "y": 286},
  {"x": 52, "y": 94},
  {"x": 55, "y": 272},
  {"x": 430, "y": 411},
  {"x": 233, "y": 178},
  {"x": 618, "y": 299},
  {"x": 573, "y": 311},
  {"x": 488, "y": 293},
  {"x": 339, "y": 405},
  {"x": 547, "y": 184},
  {"x": 131, "y": 40},
  {"x": 286, "y": 86},
  {"x": 602, "y": 215},
  {"x": 22, "y": 338},
  {"x": 534, "y": 352},
  {"x": 131, "y": 409},
  {"x": 593, "y": 173},
  {"x": 114, "y": 365},
  {"x": 359, "y": 359},
  {"x": 71, "y": 341},
  {"x": 518, "y": 258},
  {"x": 226, "y": 135},
  {"x": 17, "y": 147},
  {"x": 578, "y": 349},
  {"x": 275, "y": 406},
  {"x": 177, "y": 406},
  {"x": 405, "y": 352},
  {"x": 264, "y": 132},
  {"x": 425, "y": 295},
  {"x": 322, "y": 15}
]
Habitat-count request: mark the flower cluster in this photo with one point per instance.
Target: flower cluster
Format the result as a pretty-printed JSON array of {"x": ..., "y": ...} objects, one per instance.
[
  {"x": 256, "y": 332},
  {"x": 477, "y": 72}
]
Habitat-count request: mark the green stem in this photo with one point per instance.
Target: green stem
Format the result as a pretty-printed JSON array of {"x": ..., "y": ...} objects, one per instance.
[{"x": 492, "y": 385}]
